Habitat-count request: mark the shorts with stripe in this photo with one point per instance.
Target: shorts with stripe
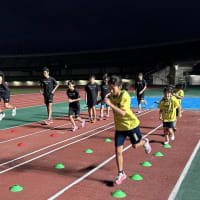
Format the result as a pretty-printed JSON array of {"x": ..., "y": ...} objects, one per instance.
[{"x": 134, "y": 136}]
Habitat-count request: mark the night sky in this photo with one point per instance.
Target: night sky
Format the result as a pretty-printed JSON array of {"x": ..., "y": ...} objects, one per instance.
[{"x": 75, "y": 25}]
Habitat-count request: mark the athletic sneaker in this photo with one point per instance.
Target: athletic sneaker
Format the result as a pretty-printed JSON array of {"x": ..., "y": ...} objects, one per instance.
[
  {"x": 147, "y": 146},
  {"x": 49, "y": 121},
  {"x": 120, "y": 178},
  {"x": 2, "y": 115},
  {"x": 107, "y": 116},
  {"x": 100, "y": 117},
  {"x": 83, "y": 124},
  {"x": 166, "y": 142},
  {"x": 93, "y": 121},
  {"x": 75, "y": 128},
  {"x": 14, "y": 111},
  {"x": 139, "y": 111},
  {"x": 172, "y": 136}
]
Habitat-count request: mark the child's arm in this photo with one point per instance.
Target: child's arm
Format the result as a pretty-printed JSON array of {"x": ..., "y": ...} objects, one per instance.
[
  {"x": 41, "y": 89},
  {"x": 74, "y": 100},
  {"x": 86, "y": 98},
  {"x": 115, "y": 108},
  {"x": 1, "y": 79},
  {"x": 55, "y": 88},
  {"x": 160, "y": 115},
  {"x": 179, "y": 112}
]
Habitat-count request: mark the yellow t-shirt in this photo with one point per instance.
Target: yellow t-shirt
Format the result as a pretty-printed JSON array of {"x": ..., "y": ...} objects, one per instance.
[
  {"x": 168, "y": 109},
  {"x": 129, "y": 121},
  {"x": 181, "y": 94}
]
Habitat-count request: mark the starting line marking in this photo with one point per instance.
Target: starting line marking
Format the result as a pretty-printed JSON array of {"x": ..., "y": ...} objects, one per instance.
[
  {"x": 176, "y": 188},
  {"x": 95, "y": 169}
]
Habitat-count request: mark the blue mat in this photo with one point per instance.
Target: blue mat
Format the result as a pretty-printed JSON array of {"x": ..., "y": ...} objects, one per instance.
[{"x": 192, "y": 103}]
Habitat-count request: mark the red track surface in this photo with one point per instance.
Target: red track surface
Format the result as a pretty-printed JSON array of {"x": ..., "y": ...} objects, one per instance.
[{"x": 41, "y": 181}]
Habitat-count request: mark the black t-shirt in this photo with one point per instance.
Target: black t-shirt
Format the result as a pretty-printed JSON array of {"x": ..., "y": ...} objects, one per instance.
[
  {"x": 73, "y": 94},
  {"x": 92, "y": 91},
  {"x": 48, "y": 84},
  {"x": 104, "y": 90},
  {"x": 139, "y": 85},
  {"x": 3, "y": 87}
]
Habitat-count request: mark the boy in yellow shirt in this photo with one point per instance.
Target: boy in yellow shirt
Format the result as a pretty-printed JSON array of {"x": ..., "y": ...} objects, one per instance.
[
  {"x": 179, "y": 94},
  {"x": 126, "y": 123},
  {"x": 168, "y": 106}
]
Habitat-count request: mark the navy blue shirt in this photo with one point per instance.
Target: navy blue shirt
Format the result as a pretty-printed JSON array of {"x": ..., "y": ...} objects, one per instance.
[
  {"x": 140, "y": 84},
  {"x": 104, "y": 90},
  {"x": 48, "y": 84},
  {"x": 92, "y": 91},
  {"x": 73, "y": 94},
  {"x": 3, "y": 87}
]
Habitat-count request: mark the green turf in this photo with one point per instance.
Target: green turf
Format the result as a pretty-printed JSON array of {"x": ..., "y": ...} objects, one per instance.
[
  {"x": 34, "y": 114},
  {"x": 189, "y": 189},
  {"x": 192, "y": 91}
]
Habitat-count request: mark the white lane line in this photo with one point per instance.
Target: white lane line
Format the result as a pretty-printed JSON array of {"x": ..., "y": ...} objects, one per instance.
[
  {"x": 49, "y": 146},
  {"x": 57, "y": 148},
  {"x": 34, "y": 133},
  {"x": 176, "y": 188},
  {"x": 54, "y": 150},
  {"x": 95, "y": 169},
  {"x": 82, "y": 109}
]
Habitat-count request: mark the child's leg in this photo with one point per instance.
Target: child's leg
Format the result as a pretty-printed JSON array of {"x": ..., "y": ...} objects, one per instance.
[
  {"x": 108, "y": 111},
  {"x": 94, "y": 112},
  {"x": 79, "y": 119},
  {"x": 119, "y": 158},
  {"x": 166, "y": 134},
  {"x": 102, "y": 110},
  {"x": 139, "y": 105},
  {"x": 49, "y": 111},
  {"x": 90, "y": 113},
  {"x": 72, "y": 120}
]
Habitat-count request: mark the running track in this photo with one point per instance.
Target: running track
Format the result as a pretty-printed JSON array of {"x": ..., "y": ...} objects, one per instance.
[{"x": 86, "y": 176}]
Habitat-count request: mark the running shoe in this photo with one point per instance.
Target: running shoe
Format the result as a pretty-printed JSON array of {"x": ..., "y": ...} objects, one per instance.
[
  {"x": 139, "y": 111},
  {"x": 48, "y": 122},
  {"x": 94, "y": 121},
  {"x": 120, "y": 178},
  {"x": 14, "y": 111},
  {"x": 75, "y": 128},
  {"x": 2, "y": 115},
  {"x": 83, "y": 124},
  {"x": 107, "y": 116},
  {"x": 166, "y": 142},
  {"x": 172, "y": 136},
  {"x": 147, "y": 146}
]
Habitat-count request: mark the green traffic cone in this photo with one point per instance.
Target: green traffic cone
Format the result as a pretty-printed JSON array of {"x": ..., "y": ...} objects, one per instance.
[
  {"x": 136, "y": 177},
  {"x": 16, "y": 188},
  {"x": 118, "y": 194},
  {"x": 158, "y": 154},
  {"x": 146, "y": 164}
]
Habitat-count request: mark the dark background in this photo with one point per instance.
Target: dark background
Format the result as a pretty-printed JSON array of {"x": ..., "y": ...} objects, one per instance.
[{"x": 65, "y": 26}]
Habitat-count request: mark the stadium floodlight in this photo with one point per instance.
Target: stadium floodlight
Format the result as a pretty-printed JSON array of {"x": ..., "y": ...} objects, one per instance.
[{"x": 176, "y": 67}]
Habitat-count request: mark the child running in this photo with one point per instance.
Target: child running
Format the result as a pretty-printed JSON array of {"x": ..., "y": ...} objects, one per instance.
[
  {"x": 5, "y": 95},
  {"x": 48, "y": 88},
  {"x": 126, "y": 124},
  {"x": 91, "y": 94},
  {"x": 168, "y": 106},
  {"x": 140, "y": 87},
  {"x": 179, "y": 94},
  {"x": 104, "y": 91},
  {"x": 74, "y": 105}
]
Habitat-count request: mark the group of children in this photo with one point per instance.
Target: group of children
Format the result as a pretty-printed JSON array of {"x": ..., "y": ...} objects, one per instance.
[{"x": 114, "y": 95}]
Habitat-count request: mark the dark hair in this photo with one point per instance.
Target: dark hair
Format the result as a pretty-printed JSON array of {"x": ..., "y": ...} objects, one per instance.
[
  {"x": 91, "y": 76},
  {"x": 105, "y": 76},
  {"x": 71, "y": 82},
  {"x": 115, "y": 80},
  {"x": 178, "y": 86},
  {"x": 45, "y": 69},
  {"x": 167, "y": 89},
  {"x": 1, "y": 74},
  {"x": 125, "y": 86}
]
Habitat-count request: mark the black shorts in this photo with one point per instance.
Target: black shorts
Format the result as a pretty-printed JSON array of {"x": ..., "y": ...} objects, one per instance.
[
  {"x": 134, "y": 135},
  {"x": 74, "y": 111},
  {"x": 48, "y": 98},
  {"x": 5, "y": 96},
  {"x": 168, "y": 124},
  {"x": 91, "y": 103},
  {"x": 140, "y": 96}
]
